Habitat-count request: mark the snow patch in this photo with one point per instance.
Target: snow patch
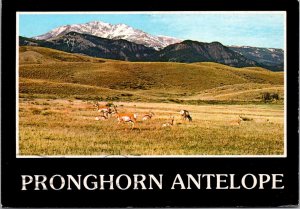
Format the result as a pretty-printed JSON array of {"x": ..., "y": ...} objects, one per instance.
[{"x": 117, "y": 31}]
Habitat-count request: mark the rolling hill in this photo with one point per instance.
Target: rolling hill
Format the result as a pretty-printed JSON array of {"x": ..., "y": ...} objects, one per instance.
[
  {"x": 193, "y": 51},
  {"x": 51, "y": 73}
]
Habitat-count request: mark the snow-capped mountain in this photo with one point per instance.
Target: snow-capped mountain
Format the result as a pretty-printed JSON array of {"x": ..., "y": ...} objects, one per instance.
[
  {"x": 110, "y": 31},
  {"x": 95, "y": 46}
]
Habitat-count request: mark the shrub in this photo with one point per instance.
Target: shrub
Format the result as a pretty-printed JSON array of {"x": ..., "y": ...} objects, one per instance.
[
  {"x": 127, "y": 95},
  {"x": 46, "y": 113},
  {"x": 269, "y": 96},
  {"x": 275, "y": 96},
  {"x": 266, "y": 96},
  {"x": 36, "y": 111}
]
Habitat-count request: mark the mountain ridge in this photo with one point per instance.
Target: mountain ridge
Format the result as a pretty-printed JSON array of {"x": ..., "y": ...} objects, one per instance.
[
  {"x": 187, "y": 51},
  {"x": 271, "y": 58},
  {"x": 193, "y": 51},
  {"x": 93, "y": 46}
]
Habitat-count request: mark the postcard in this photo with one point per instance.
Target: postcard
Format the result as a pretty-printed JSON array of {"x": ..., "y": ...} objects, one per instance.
[{"x": 170, "y": 107}]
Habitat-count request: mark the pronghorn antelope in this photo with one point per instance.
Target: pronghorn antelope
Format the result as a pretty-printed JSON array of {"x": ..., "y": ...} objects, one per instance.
[
  {"x": 185, "y": 115},
  {"x": 169, "y": 124},
  {"x": 148, "y": 116},
  {"x": 126, "y": 117},
  {"x": 105, "y": 110}
]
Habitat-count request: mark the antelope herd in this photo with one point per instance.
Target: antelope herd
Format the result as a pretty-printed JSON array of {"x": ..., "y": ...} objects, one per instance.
[{"x": 107, "y": 111}]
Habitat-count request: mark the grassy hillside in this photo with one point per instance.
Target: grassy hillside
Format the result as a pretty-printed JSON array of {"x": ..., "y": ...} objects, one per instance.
[
  {"x": 57, "y": 113},
  {"x": 50, "y": 73},
  {"x": 42, "y": 55}
]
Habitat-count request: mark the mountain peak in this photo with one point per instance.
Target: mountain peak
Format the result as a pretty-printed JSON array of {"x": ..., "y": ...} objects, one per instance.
[
  {"x": 95, "y": 22},
  {"x": 112, "y": 31}
]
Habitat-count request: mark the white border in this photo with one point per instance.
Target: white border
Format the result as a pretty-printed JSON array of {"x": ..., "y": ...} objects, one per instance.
[
  {"x": 17, "y": 85},
  {"x": 285, "y": 87},
  {"x": 151, "y": 156}
]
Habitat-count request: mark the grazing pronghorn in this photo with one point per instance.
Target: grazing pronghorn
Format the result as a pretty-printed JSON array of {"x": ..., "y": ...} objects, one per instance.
[
  {"x": 185, "y": 115},
  {"x": 105, "y": 110},
  {"x": 148, "y": 116},
  {"x": 169, "y": 124},
  {"x": 126, "y": 117}
]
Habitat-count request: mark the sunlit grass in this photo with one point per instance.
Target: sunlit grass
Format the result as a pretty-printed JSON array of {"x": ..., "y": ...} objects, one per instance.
[{"x": 70, "y": 128}]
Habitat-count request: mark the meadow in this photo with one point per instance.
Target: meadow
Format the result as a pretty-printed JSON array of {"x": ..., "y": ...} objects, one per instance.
[
  {"x": 68, "y": 127},
  {"x": 57, "y": 92}
]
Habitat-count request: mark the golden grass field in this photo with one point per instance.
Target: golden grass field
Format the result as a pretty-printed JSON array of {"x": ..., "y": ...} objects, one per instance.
[{"x": 57, "y": 91}]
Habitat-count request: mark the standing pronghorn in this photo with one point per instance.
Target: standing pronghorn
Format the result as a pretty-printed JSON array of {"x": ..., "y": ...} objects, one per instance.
[
  {"x": 126, "y": 117},
  {"x": 105, "y": 110},
  {"x": 169, "y": 124},
  {"x": 148, "y": 116},
  {"x": 185, "y": 115}
]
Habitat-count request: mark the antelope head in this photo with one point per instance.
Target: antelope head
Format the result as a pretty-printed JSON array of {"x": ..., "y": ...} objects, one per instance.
[{"x": 114, "y": 109}]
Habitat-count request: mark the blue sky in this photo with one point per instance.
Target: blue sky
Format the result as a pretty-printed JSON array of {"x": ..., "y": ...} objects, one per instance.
[{"x": 242, "y": 29}]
